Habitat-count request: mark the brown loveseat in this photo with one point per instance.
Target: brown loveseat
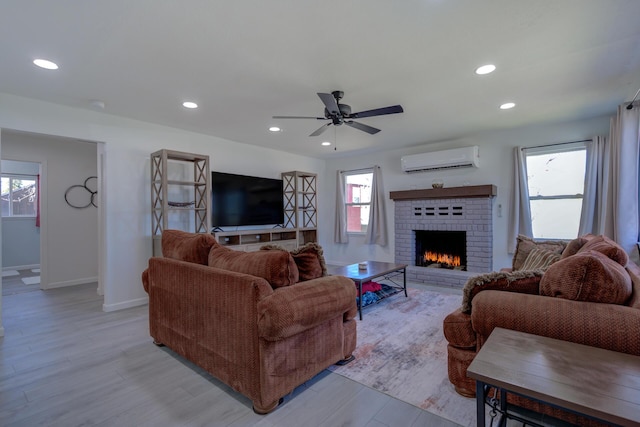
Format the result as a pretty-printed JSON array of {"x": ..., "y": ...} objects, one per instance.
[
  {"x": 586, "y": 291},
  {"x": 245, "y": 318}
]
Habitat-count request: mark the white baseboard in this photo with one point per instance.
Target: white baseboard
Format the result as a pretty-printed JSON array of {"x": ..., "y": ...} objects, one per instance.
[
  {"x": 72, "y": 283},
  {"x": 125, "y": 304},
  {"x": 21, "y": 267}
]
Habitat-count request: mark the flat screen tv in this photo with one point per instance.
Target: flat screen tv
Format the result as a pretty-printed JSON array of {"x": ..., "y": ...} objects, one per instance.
[{"x": 238, "y": 200}]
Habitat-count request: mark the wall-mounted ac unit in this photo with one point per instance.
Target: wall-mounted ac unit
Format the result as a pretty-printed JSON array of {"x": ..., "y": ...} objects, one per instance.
[{"x": 438, "y": 160}]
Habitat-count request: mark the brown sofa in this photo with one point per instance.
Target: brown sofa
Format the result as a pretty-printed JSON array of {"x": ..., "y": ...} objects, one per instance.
[
  {"x": 245, "y": 317},
  {"x": 586, "y": 292}
]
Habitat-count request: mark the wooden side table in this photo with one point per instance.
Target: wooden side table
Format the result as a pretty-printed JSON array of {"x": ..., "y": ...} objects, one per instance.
[{"x": 590, "y": 381}]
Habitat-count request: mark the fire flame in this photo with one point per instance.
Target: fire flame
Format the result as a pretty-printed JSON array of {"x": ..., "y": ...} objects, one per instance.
[{"x": 450, "y": 260}]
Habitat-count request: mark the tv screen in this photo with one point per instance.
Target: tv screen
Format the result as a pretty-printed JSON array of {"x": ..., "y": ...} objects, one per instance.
[{"x": 245, "y": 200}]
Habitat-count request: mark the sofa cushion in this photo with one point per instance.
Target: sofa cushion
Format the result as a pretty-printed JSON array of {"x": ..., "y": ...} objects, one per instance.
[
  {"x": 185, "y": 246},
  {"x": 276, "y": 267},
  {"x": 587, "y": 276},
  {"x": 539, "y": 259},
  {"x": 607, "y": 247},
  {"x": 527, "y": 244},
  {"x": 309, "y": 259}
]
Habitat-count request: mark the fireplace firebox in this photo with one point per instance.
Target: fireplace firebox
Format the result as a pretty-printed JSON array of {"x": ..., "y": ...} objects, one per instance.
[{"x": 441, "y": 249}]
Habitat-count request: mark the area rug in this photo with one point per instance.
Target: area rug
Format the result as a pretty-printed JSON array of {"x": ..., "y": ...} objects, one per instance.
[
  {"x": 33, "y": 280},
  {"x": 402, "y": 352}
]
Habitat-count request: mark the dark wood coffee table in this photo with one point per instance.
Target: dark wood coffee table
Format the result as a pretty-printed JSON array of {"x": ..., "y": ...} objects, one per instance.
[
  {"x": 374, "y": 270},
  {"x": 590, "y": 381}
]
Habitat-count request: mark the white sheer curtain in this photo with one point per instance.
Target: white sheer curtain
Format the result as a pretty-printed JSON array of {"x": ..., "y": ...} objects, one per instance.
[
  {"x": 624, "y": 138},
  {"x": 596, "y": 188},
  {"x": 520, "y": 219},
  {"x": 377, "y": 228},
  {"x": 340, "y": 230}
]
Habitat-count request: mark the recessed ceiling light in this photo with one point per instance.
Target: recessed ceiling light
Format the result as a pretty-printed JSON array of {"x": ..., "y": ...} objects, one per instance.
[
  {"x": 189, "y": 104},
  {"x": 507, "y": 105},
  {"x": 486, "y": 69},
  {"x": 43, "y": 63},
  {"x": 275, "y": 129},
  {"x": 326, "y": 143}
]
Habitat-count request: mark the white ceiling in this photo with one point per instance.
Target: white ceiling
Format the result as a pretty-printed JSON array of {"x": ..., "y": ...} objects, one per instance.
[{"x": 244, "y": 61}]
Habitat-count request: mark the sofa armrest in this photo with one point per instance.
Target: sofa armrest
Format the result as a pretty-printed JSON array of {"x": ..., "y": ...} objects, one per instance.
[
  {"x": 207, "y": 304},
  {"x": 609, "y": 326},
  {"x": 527, "y": 282},
  {"x": 293, "y": 309},
  {"x": 145, "y": 280}
]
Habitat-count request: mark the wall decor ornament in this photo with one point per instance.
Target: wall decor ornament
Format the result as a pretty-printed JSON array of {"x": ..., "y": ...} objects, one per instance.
[{"x": 82, "y": 196}]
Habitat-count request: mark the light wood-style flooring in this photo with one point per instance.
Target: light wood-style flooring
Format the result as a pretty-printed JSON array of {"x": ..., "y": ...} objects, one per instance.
[
  {"x": 13, "y": 284},
  {"x": 64, "y": 362}
]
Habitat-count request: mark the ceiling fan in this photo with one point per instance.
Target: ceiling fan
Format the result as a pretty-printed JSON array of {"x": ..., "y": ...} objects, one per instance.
[{"x": 341, "y": 113}]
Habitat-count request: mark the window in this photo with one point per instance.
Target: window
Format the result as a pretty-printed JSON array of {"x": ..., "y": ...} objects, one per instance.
[
  {"x": 555, "y": 179},
  {"x": 357, "y": 193},
  {"x": 19, "y": 196}
]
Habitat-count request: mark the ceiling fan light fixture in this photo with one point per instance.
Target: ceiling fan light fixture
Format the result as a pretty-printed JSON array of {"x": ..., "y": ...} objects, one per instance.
[
  {"x": 189, "y": 104},
  {"x": 507, "y": 106},
  {"x": 326, "y": 143},
  {"x": 46, "y": 64},
  {"x": 274, "y": 129},
  {"x": 485, "y": 69},
  {"x": 338, "y": 114}
]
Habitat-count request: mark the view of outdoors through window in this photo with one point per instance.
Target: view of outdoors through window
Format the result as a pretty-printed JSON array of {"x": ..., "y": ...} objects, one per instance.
[
  {"x": 358, "y": 201},
  {"x": 556, "y": 187},
  {"x": 19, "y": 196}
]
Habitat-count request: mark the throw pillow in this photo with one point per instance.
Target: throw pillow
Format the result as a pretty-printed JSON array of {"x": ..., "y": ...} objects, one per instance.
[
  {"x": 587, "y": 276},
  {"x": 608, "y": 247},
  {"x": 527, "y": 244},
  {"x": 185, "y": 246},
  {"x": 574, "y": 246},
  {"x": 309, "y": 259},
  {"x": 276, "y": 267},
  {"x": 518, "y": 281},
  {"x": 539, "y": 259}
]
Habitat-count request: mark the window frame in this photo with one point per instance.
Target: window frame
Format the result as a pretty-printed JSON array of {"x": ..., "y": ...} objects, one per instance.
[
  {"x": 25, "y": 177},
  {"x": 555, "y": 149},
  {"x": 345, "y": 174}
]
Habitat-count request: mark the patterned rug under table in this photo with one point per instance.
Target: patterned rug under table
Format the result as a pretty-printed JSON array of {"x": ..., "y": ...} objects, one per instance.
[{"x": 402, "y": 352}]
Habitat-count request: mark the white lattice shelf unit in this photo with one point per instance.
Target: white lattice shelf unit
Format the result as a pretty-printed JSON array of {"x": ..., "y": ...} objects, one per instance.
[
  {"x": 185, "y": 177},
  {"x": 301, "y": 204}
]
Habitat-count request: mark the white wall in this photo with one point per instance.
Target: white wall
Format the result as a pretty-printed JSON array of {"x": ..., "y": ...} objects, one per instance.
[
  {"x": 496, "y": 167},
  {"x": 125, "y": 191},
  {"x": 126, "y": 188},
  {"x": 69, "y": 236}
]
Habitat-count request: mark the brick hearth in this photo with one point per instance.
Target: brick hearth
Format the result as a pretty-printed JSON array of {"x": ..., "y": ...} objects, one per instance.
[{"x": 466, "y": 209}]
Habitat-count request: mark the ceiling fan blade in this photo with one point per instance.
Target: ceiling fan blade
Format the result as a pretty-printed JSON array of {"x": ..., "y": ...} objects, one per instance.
[
  {"x": 321, "y": 129},
  {"x": 329, "y": 102},
  {"x": 394, "y": 109},
  {"x": 299, "y": 117},
  {"x": 366, "y": 128}
]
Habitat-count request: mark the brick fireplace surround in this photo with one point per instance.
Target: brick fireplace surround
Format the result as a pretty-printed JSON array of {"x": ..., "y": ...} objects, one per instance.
[{"x": 466, "y": 209}]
